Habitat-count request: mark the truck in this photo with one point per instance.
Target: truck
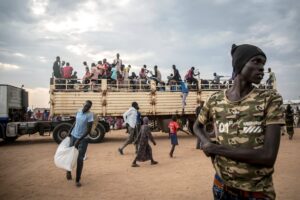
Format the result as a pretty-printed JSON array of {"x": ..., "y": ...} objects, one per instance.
[{"x": 110, "y": 100}]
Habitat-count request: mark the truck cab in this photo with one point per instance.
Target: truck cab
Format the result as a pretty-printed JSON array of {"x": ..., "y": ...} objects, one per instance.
[{"x": 13, "y": 105}]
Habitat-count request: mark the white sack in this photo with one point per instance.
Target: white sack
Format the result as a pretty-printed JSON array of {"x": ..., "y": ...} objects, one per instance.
[{"x": 66, "y": 156}]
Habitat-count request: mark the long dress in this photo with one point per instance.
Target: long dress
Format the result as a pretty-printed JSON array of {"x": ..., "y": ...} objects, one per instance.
[
  {"x": 289, "y": 121},
  {"x": 144, "y": 151}
]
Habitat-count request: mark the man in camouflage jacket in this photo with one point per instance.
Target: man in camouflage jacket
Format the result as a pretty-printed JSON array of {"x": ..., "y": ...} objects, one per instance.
[{"x": 247, "y": 124}]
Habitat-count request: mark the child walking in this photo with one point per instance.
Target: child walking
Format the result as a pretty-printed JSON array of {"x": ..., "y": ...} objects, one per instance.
[
  {"x": 173, "y": 126},
  {"x": 144, "y": 150}
]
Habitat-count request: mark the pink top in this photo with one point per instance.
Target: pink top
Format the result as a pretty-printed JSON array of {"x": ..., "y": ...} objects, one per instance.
[{"x": 67, "y": 71}]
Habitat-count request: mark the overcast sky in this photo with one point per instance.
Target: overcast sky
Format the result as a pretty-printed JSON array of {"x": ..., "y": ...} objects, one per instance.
[{"x": 186, "y": 33}]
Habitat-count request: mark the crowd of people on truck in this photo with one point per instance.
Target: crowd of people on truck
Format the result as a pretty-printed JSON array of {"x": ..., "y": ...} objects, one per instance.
[{"x": 117, "y": 73}]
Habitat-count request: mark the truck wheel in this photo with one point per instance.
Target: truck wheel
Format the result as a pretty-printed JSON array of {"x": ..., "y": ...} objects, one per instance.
[
  {"x": 61, "y": 131},
  {"x": 97, "y": 135}
]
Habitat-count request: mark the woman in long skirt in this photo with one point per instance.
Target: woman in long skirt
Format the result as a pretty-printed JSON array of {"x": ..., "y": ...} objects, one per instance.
[
  {"x": 144, "y": 151},
  {"x": 289, "y": 121}
]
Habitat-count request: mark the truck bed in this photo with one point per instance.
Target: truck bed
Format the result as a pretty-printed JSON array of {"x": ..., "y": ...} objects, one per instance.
[{"x": 114, "y": 102}]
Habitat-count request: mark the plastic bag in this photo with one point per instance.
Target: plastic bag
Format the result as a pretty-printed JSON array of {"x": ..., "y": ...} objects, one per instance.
[{"x": 65, "y": 156}]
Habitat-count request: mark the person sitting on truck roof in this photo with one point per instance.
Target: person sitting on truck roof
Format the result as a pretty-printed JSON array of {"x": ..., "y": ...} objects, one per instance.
[
  {"x": 67, "y": 71},
  {"x": 133, "y": 80},
  {"x": 189, "y": 77},
  {"x": 79, "y": 137},
  {"x": 86, "y": 77},
  {"x": 156, "y": 76},
  {"x": 74, "y": 78},
  {"x": 142, "y": 74},
  {"x": 176, "y": 77},
  {"x": 217, "y": 78},
  {"x": 100, "y": 69},
  {"x": 146, "y": 70},
  {"x": 94, "y": 74},
  {"x": 106, "y": 69},
  {"x": 121, "y": 74},
  {"x": 113, "y": 76},
  {"x": 127, "y": 71}
]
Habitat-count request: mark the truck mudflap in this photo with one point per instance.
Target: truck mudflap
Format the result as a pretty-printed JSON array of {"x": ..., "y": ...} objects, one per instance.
[
  {"x": 12, "y": 130},
  {"x": 11, "y": 133}
]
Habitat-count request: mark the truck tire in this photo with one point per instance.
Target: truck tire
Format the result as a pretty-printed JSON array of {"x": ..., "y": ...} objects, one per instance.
[
  {"x": 61, "y": 131},
  {"x": 97, "y": 135}
]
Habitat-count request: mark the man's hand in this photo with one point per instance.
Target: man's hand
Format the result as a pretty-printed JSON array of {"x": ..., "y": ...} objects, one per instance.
[
  {"x": 76, "y": 144},
  {"x": 208, "y": 148}
]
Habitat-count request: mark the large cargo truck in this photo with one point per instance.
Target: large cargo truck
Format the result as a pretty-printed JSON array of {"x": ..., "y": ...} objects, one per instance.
[
  {"x": 110, "y": 101},
  {"x": 156, "y": 102}
]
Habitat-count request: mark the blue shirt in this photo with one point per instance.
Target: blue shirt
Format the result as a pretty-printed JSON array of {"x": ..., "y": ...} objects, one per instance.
[
  {"x": 114, "y": 74},
  {"x": 82, "y": 120},
  {"x": 184, "y": 87}
]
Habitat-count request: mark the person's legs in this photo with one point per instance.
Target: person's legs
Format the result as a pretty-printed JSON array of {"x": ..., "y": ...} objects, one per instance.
[
  {"x": 134, "y": 163},
  {"x": 174, "y": 142},
  {"x": 198, "y": 144},
  {"x": 129, "y": 139},
  {"x": 290, "y": 131},
  {"x": 184, "y": 95},
  {"x": 82, "y": 150},
  {"x": 172, "y": 150},
  {"x": 195, "y": 81},
  {"x": 153, "y": 162}
]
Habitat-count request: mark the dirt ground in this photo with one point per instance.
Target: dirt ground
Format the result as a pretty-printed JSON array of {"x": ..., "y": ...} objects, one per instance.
[{"x": 27, "y": 171}]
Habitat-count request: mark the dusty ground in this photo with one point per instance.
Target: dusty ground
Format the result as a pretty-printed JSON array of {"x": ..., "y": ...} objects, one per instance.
[{"x": 27, "y": 171}]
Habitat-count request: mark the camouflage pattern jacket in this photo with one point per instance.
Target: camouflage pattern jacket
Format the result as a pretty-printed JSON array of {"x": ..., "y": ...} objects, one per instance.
[{"x": 242, "y": 124}]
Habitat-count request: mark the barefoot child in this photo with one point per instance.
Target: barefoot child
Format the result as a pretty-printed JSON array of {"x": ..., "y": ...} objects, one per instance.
[
  {"x": 173, "y": 126},
  {"x": 144, "y": 151}
]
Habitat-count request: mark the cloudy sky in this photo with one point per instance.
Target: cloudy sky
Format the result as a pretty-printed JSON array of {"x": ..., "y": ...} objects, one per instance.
[{"x": 186, "y": 33}]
